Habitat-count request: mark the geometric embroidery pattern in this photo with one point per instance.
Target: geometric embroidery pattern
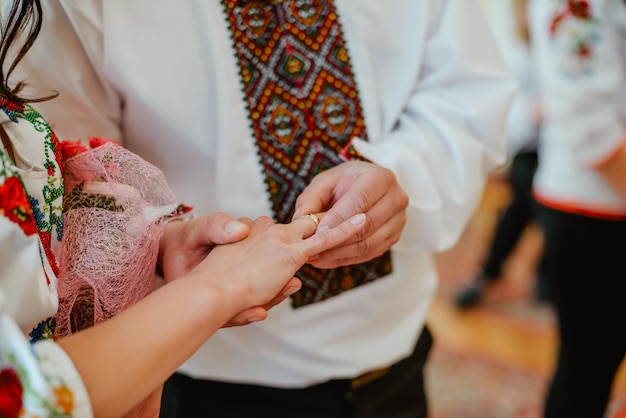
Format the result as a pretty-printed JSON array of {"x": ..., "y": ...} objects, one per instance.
[{"x": 304, "y": 109}]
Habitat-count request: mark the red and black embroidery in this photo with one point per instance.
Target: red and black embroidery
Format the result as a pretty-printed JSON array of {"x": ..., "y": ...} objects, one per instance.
[
  {"x": 304, "y": 109},
  {"x": 574, "y": 30}
]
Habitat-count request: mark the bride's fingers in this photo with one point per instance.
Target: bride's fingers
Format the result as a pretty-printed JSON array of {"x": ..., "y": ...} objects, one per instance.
[
  {"x": 329, "y": 238},
  {"x": 292, "y": 286},
  {"x": 254, "y": 314},
  {"x": 259, "y": 313},
  {"x": 246, "y": 221},
  {"x": 306, "y": 225}
]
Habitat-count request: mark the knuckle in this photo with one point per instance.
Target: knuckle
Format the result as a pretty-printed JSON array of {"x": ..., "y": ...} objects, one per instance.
[
  {"x": 392, "y": 241},
  {"x": 297, "y": 258},
  {"x": 403, "y": 219},
  {"x": 324, "y": 238},
  {"x": 361, "y": 200},
  {"x": 362, "y": 247},
  {"x": 366, "y": 230},
  {"x": 387, "y": 174},
  {"x": 403, "y": 199}
]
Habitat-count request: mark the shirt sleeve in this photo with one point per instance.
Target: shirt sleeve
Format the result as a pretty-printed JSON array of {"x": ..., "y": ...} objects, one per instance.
[
  {"x": 450, "y": 133},
  {"x": 580, "y": 54},
  {"x": 37, "y": 380}
]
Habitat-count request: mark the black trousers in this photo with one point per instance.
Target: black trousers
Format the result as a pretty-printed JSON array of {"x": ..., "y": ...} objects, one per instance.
[
  {"x": 587, "y": 268},
  {"x": 518, "y": 214},
  {"x": 397, "y": 392}
]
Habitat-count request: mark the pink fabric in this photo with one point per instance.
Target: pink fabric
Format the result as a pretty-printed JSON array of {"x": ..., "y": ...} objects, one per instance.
[{"x": 115, "y": 205}]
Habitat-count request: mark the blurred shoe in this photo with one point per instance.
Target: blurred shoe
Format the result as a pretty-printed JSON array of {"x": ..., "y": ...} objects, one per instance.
[{"x": 472, "y": 293}]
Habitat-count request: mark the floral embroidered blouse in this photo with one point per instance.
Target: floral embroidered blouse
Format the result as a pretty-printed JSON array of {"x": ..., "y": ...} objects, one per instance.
[
  {"x": 580, "y": 55},
  {"x": 37, "y": 379}
]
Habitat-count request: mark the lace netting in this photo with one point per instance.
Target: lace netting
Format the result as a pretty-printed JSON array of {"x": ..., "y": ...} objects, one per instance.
[{"x": 115, "y": 206}]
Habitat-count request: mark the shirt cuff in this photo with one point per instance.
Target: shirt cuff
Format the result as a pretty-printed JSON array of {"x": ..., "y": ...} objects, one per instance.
[{"x": 67, "y": 388}]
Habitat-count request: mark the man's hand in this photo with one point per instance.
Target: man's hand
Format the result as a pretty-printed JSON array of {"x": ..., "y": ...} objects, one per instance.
[
  {"x": 352, "y": 188},
  {"x": 185, "y": 244}
]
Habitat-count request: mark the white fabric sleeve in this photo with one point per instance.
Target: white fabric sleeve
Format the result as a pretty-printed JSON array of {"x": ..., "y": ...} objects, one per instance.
[
  {"x": 450, "y": 134},
  {"x": 43, "y": 372},
  {"x": 584, "y": 77},
  {"x": 23, "y": 279}
]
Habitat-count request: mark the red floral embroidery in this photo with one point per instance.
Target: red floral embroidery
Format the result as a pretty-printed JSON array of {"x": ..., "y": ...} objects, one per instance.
[
  {"x": 95, "y": 141},
  {"x": 10, "y": 394},
  {"x": 580, "y": 9},
  {"x": 584, "y": 50},
  {"x": 577, "y": 8},
  {"x": 15, "y": 205},
  {"x": 71, "y": 148}
]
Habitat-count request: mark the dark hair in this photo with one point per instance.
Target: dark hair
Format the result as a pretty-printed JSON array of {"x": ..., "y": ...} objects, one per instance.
[{"x": 25, "y": 17}]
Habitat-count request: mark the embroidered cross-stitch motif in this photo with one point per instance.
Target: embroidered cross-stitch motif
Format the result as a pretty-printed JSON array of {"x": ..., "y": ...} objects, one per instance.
[
  {"x": 34, "y": 216},
  {"x": 574, "y": 31},
  {"x": 47, "y": 215},
  {"x": 304, "y": 110}
]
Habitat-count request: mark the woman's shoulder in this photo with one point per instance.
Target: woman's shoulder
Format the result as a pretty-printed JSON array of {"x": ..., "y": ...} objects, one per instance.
[{"x": 31, "y": 183}]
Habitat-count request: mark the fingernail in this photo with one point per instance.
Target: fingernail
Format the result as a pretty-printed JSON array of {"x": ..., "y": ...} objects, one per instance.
[
  {"x": 358, "y": 219},
  {"x": 234, "y": 227},
  {"x": 290, "y": 291},
  {"x": 296, "y": 213},
  {"x": 254, "y": 319}
]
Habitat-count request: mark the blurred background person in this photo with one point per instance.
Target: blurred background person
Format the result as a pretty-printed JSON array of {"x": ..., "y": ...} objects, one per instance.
[
  {"x": 510, "y": 25},
  {"x": 579, "y": 48}
]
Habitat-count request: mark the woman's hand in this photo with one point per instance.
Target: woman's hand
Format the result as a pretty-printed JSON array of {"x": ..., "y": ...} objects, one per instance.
[
  {"x": 150, "y": 407},
  {"x": 185, "y": 244},
  {"x": 259, "y": 270}
]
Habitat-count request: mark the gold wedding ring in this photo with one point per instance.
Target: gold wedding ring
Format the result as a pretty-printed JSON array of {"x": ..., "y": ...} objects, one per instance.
[{"x": 315, "y": 218}]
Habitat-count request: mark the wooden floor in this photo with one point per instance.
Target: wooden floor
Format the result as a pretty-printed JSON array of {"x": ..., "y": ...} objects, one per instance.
[{"x": 509, "y": 327}]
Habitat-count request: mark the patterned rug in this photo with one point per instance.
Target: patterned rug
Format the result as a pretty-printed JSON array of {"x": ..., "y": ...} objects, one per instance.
[{"x": 461, "y": 385}]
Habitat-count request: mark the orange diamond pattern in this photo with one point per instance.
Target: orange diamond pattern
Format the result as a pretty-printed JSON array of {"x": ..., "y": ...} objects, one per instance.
[{"x": 304, "y": 108}]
